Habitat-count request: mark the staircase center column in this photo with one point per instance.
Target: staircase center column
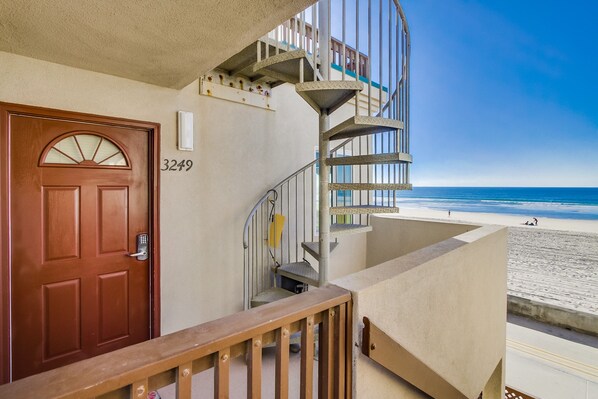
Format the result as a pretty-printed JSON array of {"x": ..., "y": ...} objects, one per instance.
[
  {"x": 324, "y": 200},
  {"x": 324, "y": 145}
]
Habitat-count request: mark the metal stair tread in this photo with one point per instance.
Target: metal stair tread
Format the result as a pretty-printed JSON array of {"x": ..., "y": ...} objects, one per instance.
[
  {"x": 328, "y": 95},
  {"x": 362, "y": 209},
  {"x": 285, "y": 66},
  {"x": 369, "y": 186},
  {"x": 313, "y": 248},
  {"x": 372, "y": 159},
  {"x": 341, "y": 229},
  {"x": 360, "y": 125},
  {"x": 300, "y": 271},
  {"x": 242, "y": 62},
  {"x": 270, "y": 295}
]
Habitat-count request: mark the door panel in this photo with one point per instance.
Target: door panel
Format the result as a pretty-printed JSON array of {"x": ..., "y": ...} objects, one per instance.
[
  {"x": 61, "y": 319},
  {"x": 113, "y": 289},
  {"x": 113, "y": 219},
  {"x": 60, "y": 219},
  {"x": 75, "y": 292}
]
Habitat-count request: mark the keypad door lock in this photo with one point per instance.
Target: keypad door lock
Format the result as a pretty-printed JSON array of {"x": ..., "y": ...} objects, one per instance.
[{"x": 142, "y": 247}]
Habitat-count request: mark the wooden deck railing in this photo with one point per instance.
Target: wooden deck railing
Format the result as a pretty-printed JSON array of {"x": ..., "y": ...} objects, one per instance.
[
  {"x": 349, "y": 59},
  {"x": 301, "y": 30},
  {"x": 134, "y": 371}
]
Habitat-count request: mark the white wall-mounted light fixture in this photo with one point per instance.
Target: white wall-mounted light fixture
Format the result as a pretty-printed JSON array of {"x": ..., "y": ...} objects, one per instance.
[{"x": 185, "y": 130}]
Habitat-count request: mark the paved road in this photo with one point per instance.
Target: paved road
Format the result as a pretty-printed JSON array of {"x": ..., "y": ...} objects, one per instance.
[{"x": 551, "y": 363}]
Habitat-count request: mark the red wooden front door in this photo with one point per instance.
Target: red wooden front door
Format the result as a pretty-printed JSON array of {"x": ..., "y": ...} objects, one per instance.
[{"x": 79, "y": 197}]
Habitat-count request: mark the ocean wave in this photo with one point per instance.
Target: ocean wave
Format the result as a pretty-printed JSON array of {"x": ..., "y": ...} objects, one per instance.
[
  {"x": 552, "y": 209},
  {"x": 536, "y": 202}
]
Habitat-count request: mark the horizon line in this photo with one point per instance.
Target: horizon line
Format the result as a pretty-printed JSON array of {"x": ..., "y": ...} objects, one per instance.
[{"x": 469, "y": 186}]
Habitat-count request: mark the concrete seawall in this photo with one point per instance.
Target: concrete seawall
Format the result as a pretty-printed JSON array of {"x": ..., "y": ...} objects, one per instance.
[{"x": 583, "y": 322}]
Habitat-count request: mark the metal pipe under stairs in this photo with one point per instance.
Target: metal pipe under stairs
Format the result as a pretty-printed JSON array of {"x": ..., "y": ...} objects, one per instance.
[{"x": 290, "y": 233}]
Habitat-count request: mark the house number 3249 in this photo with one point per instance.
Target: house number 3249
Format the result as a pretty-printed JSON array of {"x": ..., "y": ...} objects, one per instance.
[{"x": 177, "y": 166}]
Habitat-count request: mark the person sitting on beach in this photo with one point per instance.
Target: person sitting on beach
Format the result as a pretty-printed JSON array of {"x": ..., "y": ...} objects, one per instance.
[
  {"x": 535, "y": 222},
  {"x": 527, "y": 223}
]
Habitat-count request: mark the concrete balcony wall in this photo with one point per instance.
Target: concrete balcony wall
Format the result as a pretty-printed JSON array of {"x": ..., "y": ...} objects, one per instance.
[
  {"x": 445, "y": 303},
  {"x": 350, "y": 255},
  {"x": 393, "y": 236}
]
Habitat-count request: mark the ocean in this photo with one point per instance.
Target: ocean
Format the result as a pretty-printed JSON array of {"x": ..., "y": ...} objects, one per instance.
[{"x": 551, "y": 202}]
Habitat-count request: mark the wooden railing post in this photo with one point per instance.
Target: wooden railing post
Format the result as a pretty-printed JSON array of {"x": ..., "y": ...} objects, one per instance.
[
  {"x": 326, "y": 356},
  {"x": 183, "y": 381},
  {"x": 221, "y": 374},
  {"x": 339, "y": 351},
  {"x": 307, "y": 357},
  {"x": 349, "y": 352},
  {"x": 139, "y": 389},
  {"x": 254, "y": 368},
  {"x": 282, "y": 362}
]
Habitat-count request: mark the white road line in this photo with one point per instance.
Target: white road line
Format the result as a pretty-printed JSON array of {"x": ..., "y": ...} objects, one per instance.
[{"x": 584, "y": 370}]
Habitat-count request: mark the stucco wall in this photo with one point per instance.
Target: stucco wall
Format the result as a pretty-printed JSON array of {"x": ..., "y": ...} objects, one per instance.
[
  {"x": 394, "y": 236},
  {"x": 347, "y": 258},
  {"x": 445, "y": 304},
  {"x": 240, "y": 152}
]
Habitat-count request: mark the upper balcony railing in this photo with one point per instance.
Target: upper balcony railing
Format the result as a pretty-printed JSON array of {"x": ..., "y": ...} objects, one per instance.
[
  {"x": 368, "y": 40},
  {"x": 300, "y": 33}
]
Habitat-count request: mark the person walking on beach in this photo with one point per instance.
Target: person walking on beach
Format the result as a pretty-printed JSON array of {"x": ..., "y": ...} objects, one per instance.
[{"x": 449, "y": 213}]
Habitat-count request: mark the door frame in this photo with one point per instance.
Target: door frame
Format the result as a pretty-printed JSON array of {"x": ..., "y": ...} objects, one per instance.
[{"x": 153, "y": 129}]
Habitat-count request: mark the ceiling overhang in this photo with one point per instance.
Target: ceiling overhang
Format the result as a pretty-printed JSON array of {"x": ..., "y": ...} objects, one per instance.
[{"x": 165, "y": 43}]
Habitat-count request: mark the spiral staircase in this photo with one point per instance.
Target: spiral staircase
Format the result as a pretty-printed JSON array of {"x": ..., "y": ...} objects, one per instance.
[{"x": 334, "y": 194}]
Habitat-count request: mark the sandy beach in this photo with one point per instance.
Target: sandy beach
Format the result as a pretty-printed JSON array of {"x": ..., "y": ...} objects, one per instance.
[{"x": 555, "y": 262}]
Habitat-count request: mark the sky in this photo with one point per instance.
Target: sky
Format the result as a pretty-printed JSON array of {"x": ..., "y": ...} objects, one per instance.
[{"x": 504, "y": 92}]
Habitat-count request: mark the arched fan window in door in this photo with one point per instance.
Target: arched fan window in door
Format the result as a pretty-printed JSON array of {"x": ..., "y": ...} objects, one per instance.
[{"x": 84, "y": 149}]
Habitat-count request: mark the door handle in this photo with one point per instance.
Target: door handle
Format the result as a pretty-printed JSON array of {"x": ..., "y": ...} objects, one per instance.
[
  {"x": 142, "y": 253},
  {"x": 142, "y": 247}
]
